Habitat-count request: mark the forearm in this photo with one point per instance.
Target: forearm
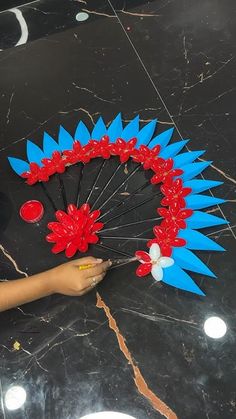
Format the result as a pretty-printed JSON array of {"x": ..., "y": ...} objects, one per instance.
[{"x": 21, "y": 291}]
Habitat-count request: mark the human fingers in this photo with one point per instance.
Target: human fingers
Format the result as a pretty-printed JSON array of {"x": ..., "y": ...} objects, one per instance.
[
  {"x": 92, "y": 282},
  {"x": 98, "y": 269},
  {"x": 87, "y": 260}
]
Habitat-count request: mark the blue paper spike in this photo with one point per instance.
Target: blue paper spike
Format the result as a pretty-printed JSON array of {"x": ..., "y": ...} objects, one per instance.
[
  {"x": 197, "y": 241},
  {"x": 202, "y": 201},
  {"x": 34, "y": 153},
  {"x": 19, "y": 166},
  {"x": 49, "y": 145},
  {"x": 82, "y": 133},
  {"x": 176, "y": 277},
  {"x": 186, "y": 158},
  {"x": 162, "y": 139},
  {"x": 173, "y": 149},
  {"x": 65, "y": 140},
  {"x": 146, "y": 133},
  {"x": 193, "y": 169},
  {"x": 115, "y": 129},
  {"x": 99, "y": 129},
  {"x": 203, "y": 219},
  {"x": 131, "y": 130},
  {"x": 199, "y": 185},
  {"x": 187, "y": 260}
]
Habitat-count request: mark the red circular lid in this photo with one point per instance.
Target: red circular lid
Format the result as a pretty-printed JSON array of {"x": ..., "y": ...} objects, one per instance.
[{"x": 32, "y": 211}]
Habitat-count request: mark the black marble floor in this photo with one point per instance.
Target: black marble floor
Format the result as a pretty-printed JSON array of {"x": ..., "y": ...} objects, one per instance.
[{"x": 173, "y": 60}]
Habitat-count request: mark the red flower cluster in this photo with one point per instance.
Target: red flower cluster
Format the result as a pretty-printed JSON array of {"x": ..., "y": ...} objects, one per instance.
[
  {"x": 74, "y": 230},
  {"x": 164, "y": 171},
  {"x": 148, "y": 157},
  {"x": 77, "y": 154},
  {"x": 174, "y": 216},
  {"x": 174, "y": 192},
  {"x": 166, "y": 238}
]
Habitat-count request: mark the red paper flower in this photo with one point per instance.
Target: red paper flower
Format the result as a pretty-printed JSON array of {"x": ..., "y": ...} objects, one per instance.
[
  {"x": 74, "y": 230},
  {"x": 166, "y": 238},
  {"x": 147, "y": 156},
  {"x": 174, "y": 192},
  {"x": 174, "y": 216},
  {"x": 35, "y": 174},
  {"x": 164, "y": 172},
  {"x": 78, "y": 153},
  {"x": 123, "y": 148},
  {"x": 100, "y": 148},
  {"x": 54, "y": 165}
]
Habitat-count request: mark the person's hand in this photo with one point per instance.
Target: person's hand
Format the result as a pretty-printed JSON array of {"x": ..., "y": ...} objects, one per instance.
[{"x": 68, "y": 279}]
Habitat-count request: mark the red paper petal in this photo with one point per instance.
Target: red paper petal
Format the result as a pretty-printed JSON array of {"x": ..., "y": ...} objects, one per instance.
[
  {"x": 71, "y": 250},
  {"x": 178, "y": 242},
  {"x": 159, "y": 232},
  {"x": 163, "y": 212},
  {"x": 144, "y": 269},
  {"x": 59, "y": 247},
  {"x": 185, "y": 213},
  {"x": 143, "y": 256}
]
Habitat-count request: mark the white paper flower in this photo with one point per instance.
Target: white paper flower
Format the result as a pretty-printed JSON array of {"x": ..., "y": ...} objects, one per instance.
[{"x": 153, "y": 262}]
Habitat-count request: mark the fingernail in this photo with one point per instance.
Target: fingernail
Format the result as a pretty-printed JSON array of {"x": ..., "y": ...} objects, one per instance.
[
  {"x": 110, "y": 262},
  {"x": 99, "y": 260}
]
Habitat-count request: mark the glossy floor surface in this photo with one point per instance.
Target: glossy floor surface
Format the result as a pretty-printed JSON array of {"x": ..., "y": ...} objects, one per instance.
[{"x": 132, "y": 347}]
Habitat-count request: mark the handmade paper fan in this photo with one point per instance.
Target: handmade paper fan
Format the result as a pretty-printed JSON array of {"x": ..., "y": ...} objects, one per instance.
[{"x": 126, "y": 178}]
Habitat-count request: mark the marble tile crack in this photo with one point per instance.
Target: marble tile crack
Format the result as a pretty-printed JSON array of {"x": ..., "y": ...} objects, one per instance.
[
  {"x": 93, "y": 12},
  {"x": 160, "y": 317},
  {"x": 93, "y": 93},
  {"x": 10, "y": 258},
  {"x": 139, "y": 380},
  {"x": 9, "y": 108},
  {"x": 203, "y": 78}
]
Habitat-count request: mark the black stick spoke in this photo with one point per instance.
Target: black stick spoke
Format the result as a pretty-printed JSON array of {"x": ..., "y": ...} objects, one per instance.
[
  {"x": 106, "y": 186},
  {"x": 132, "y": 208},
  {"x": 81, "y": 166},
  {"x": 63, "y": 191},
  {"x": 48, "y": 196},
  {"x": 120, "y": 186},
  {"x": 96, "y": 180},
  {"x": 124, "y": 238},
  {"x": 132, "y": 194},
  {"x": 131, "y": 224},
  {"x": 111, "y": 249}
]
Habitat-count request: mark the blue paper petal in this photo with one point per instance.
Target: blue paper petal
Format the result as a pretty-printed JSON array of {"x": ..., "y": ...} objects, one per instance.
[
  {"x": 82, "y": 133},
  {"x": 187, "y": 260},
  {"x": 49, "y": 145},
  {"x": 186, "y": 158},
  {"x": 194, "y": 169},
  {"x": 19, "y": 166},
  {"x": 131, "y": 129},
  {"x": 176, "y": 277},
  {"x": 162, "y": 139},
  {"x": 115, "y": 129},
  {"x": 202, "y": 201},
  {"x": 199, "y": 185},
  {"x": 34, "y": 153},
  {"x": 197, "y": 241},
  {"x": 99, "y": 129},
  {"x": 203, "y": 219},
  {"x": 146, "y": 133},
  {"x": 65, "y": 140},
  {"x": 173, "y": 149}
]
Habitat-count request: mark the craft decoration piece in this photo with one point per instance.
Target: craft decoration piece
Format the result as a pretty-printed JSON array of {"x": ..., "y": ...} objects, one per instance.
[
  {"x": 31, "y": 211},
  {"x": 175, "y": 236},
  {"x": 74, "y": 230}
]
